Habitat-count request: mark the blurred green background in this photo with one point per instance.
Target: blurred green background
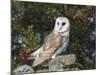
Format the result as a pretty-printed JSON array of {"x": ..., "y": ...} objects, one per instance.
[{"x": 32, "y": 21}]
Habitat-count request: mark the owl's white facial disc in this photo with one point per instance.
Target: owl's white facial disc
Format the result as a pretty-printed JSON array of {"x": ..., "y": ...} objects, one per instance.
[{"x": 62, "y": 24}]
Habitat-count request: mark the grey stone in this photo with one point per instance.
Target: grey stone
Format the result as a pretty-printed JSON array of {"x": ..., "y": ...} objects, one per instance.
[
  {"x": 58, "y": 63},
  {"x": 24, "y": 69}
]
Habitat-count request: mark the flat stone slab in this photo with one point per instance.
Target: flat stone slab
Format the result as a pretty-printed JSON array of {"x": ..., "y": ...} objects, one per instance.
[{"x": 58, "y": 63}]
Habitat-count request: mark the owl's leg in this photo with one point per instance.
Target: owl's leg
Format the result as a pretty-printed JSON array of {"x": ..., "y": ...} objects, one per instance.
[{"x": 60, "y": 50}]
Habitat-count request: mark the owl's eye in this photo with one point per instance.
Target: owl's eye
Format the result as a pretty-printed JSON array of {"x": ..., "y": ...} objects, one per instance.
[
  {"x": 57, "y": 23},
  {"x": 63, "y": 23}
]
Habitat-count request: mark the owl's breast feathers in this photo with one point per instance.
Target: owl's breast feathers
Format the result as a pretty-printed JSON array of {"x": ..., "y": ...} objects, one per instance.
[{"x": 52, "y": 43}]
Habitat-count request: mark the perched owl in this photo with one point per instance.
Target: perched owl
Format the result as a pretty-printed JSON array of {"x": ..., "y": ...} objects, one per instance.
[{"x": 55, "y": 43}]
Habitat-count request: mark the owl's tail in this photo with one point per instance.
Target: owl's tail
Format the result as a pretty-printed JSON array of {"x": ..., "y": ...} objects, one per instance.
[{"x": 37, "y": 61}]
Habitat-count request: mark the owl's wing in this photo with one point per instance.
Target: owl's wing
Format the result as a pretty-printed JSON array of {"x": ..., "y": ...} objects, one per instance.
[{"x": 51, "y": 44}]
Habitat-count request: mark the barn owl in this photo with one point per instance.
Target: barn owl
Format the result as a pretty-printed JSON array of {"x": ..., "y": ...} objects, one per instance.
[{"x": 55, "y": 43}]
